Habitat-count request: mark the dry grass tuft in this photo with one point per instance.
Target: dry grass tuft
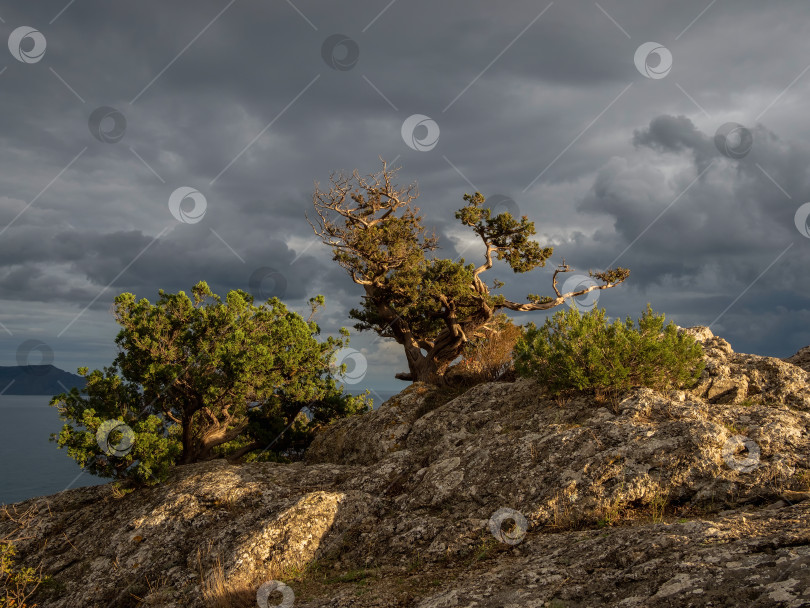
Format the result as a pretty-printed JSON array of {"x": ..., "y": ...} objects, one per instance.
[
  {"x": 221, "y": 591},
  {"x": 18, "y": 583},
  {"x": 487, "y": 357},
  {"x": 238, "y": 589}
]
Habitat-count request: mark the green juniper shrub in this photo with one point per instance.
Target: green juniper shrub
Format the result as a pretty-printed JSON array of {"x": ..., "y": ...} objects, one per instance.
[
  {"x": 198, "y": 378},
  {"x": 575, "y": 352}
]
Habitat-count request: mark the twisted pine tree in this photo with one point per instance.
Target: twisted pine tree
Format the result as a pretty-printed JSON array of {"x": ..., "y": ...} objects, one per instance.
[{"x": 431, "y": 306}]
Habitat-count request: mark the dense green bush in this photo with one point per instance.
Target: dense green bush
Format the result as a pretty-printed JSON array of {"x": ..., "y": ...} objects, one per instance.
[
  {"x": 582, "y": 352},
  {"x": 198, "y": 378}
]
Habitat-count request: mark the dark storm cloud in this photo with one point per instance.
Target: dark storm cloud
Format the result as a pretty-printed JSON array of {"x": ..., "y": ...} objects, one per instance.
[
  {"x": 730, "y": 208},
  {"x": 177, "y": 260},
  {"x": 677, "y": 133},
  {"x": 547, "y": 109},
  {"x": 726, "y": 232}
]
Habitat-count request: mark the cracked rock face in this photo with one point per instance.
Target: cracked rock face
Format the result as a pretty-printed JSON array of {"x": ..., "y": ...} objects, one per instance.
[
  {"x": 732, "y": 377},
  {"x": 689, "y": 498}
]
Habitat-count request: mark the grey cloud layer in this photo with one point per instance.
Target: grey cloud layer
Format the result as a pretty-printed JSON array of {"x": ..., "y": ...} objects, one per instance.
[{"x": 540, "y": 106}]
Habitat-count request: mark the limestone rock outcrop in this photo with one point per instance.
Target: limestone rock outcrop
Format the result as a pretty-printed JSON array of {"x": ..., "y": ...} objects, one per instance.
[
  {"x": 501, "y": 497},
  {"x": 732, "y": 377},
  {"x": 801, "y": 358}
]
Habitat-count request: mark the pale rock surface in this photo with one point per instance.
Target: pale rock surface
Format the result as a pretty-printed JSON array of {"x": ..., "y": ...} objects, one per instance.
[
  {"x": 404, "y": 495},
  {"x": 801, "y": 358}
]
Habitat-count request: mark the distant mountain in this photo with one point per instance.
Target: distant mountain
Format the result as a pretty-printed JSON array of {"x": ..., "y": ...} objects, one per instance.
[{"x": 37, "y": 380}]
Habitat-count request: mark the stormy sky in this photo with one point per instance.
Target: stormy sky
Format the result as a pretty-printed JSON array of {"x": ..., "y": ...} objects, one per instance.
[{"x": 151, "y": 145}]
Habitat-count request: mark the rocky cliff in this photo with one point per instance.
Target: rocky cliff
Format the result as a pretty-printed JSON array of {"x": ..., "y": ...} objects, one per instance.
[{"x": 501, "y": 497}]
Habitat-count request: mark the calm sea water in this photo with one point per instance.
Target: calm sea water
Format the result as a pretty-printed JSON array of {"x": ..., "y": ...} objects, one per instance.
[{"x": 30, "y": 464}]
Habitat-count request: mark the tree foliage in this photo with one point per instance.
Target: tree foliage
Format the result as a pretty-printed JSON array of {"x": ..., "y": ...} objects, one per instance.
[
  {"x": 430, "y": 305},
  {"x": 582, "y": 352},
  {"x": 197, "y": 378}
]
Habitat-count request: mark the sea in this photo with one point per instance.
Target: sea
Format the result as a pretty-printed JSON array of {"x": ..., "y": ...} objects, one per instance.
[{"x": 31, "y": 465}]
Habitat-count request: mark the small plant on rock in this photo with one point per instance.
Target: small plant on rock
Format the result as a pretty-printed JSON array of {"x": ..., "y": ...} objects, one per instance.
[
  {"x": 17, "y": 583},
  {"x": 575, "y": 352}
]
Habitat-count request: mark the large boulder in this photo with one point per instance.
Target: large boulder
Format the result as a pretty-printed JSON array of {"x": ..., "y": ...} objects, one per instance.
[
  {"x": 732, "y": 377},
  {"x": 369, "y": 438}
]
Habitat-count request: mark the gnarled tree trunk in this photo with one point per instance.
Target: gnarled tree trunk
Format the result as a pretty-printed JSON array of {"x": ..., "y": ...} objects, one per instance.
[{"x": 431, "y": 365}]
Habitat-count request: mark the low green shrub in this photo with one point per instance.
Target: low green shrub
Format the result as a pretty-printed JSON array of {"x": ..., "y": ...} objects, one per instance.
[
  {"x": 582, "y": 352},
  {"x": 17, "y": 583}
]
